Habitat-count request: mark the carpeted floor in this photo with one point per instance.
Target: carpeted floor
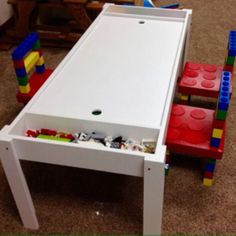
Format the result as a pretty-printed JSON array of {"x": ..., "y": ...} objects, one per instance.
[{"x": 69, "y": 200}]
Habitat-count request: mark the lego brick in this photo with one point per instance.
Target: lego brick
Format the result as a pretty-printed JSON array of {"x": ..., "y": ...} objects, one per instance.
[
  {"x": 229, "y": 68},
  {"x": 19, "y": 63},
  {"x": 20, "y": 72},
  {"x": 54, "y": 138},
  {"x": 223, "y": 101},
  {"x": 207, "y": 182},
  {"x": 219, "y": 124},
  {"x": 200, "y": 79},
  {"x": 25, "y": 46},
  {"x": 35, "y": 81},
  {"x": 217, "y": 133},
  {"x": 148, "y": 3},
  {"x": 209, "y": 167},
  {"x": 185, "y": 132},
  {"x": 210, "y": 160},
  {"x": 40, "y": 51},
  {"x": 40, "y": 62},
  {"x": 232, "y": 43},
  {"x": 230, "y": 60},
  {"x": 40, "y": 69},
  {"x": 23, "y": 81},
  {"x": 184, "y": 97},
  {"x": 37, "y": 45},
  {"x": 31, "y": 60},
  {"x": 221, "y": 114},
  {"x": 24, "y": 89},
  {"x": 172, "y": 6},
  {"x": 208, "y": 175},
  {"x": 215, "y": 142}
]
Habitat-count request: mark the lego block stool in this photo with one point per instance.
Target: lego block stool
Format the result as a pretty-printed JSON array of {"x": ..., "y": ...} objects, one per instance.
[
  {"x": 199, "y": 132},
  {"x": 25, "y": 57},
  {"x": 200, "y": 79}
]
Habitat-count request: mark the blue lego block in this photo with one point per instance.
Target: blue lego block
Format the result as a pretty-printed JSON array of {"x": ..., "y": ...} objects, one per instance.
[
  {"x": 223, "y": 101},
  {"x": 224, "y": 93},
  {"x": 210, "y": 167},
  {"x": 40, "y": 69},
  {"x": 232, "y": 43},
  {"x": 174, "y": 5},
  {"x": 20, "y": 72},
  {"x": 148, "y": 3},
  {"x": 25, "y": 46},
  {"x": 215, "y": 142}
]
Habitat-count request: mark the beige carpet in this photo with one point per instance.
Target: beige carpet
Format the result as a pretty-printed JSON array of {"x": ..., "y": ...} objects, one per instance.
[{"x": 69, "y": 200}]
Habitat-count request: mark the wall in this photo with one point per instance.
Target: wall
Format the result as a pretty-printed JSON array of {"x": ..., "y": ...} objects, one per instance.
[{"x": 5, "y": 11}]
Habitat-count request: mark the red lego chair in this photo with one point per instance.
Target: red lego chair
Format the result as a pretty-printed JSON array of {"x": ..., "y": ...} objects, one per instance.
[
  {"x": 204, "y": 79},
  {"x": 198, "y": 132}
]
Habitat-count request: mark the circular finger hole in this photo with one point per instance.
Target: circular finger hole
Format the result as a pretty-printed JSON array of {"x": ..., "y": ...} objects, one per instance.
[{"x": 96, "y": 112}]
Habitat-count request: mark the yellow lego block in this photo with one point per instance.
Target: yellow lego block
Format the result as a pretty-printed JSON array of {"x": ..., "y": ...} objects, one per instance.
[
  {"x": 184, "y": 97},
  {"x": 24, "y": 89},
  {"x": 217, "y": 133},
  {"x": 41, "y": 61},
  {"x": 207, "y": 182},
  {"x": 31, "y": 60}
]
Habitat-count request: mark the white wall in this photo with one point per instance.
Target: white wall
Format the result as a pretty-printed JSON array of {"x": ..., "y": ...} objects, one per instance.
[{"x": 5, "y": 11}]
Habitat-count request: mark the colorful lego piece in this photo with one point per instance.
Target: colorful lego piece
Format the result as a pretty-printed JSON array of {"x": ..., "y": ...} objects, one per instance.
[
  {"x": 190, "y": 131},
  {"x": 27, "y": 55},
  {"x": 232, "y": 43},
  {"x": 200, "y": 79},
  {"x": 31, "y": 60},
  {"x": 209, "y": 172},
  {"x": 148, "y": 3}
]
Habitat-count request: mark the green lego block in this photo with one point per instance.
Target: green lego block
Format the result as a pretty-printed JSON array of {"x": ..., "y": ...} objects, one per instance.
[
  {"x": 221, "y": 115},
  {"x": 37, "y": 45},
  {"x": 213, "y": 161},
  {"x": 22, "y": 81},
  {"x": 48, "y": 137},
  {"x": 230, "y": 60}
]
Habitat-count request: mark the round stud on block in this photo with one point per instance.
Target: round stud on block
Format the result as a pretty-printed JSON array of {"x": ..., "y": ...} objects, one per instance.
[
  {"x": 194, "y": 125},
  {"x": 194, "y": 137},
  {"x": 198, "y": 114},
  {"x": 207, "y": 84},
  {"x": 210, "y": 68},
  {"x": 190, "y": 81},
  {"x": 175, "y": 122},
  {"x": 178, "y": 111},
  {"x": 194, "y": 66},
  {"x": 191, "y": 73},
  {"x": 209, "y": 76},
  {"x": 173, "y": 134}
]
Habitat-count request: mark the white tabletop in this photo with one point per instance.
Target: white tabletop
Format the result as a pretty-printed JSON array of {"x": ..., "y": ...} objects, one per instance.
[{"x": 123, "y": 67}]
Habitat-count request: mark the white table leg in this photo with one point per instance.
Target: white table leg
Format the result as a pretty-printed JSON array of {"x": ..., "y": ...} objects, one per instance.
[
  {"x": 18, "y": 185},
  {"x": 153, "y": 197}
]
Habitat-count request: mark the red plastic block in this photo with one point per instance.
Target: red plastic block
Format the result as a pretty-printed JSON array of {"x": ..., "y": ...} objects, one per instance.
[
  {"x": 200, "y": 79},
  {"x": 36, "y": 81},
  {"x": 229, "y": 68},
  {"x": 219, "y": 124},
  {"x": 208, "y": 174},
  {"x": 19, "y": 64},
  {"x": 190, "y": 130}
]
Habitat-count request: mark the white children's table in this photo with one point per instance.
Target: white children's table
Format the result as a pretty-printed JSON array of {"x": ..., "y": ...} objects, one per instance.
[{"x": 126, "y": 65}]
